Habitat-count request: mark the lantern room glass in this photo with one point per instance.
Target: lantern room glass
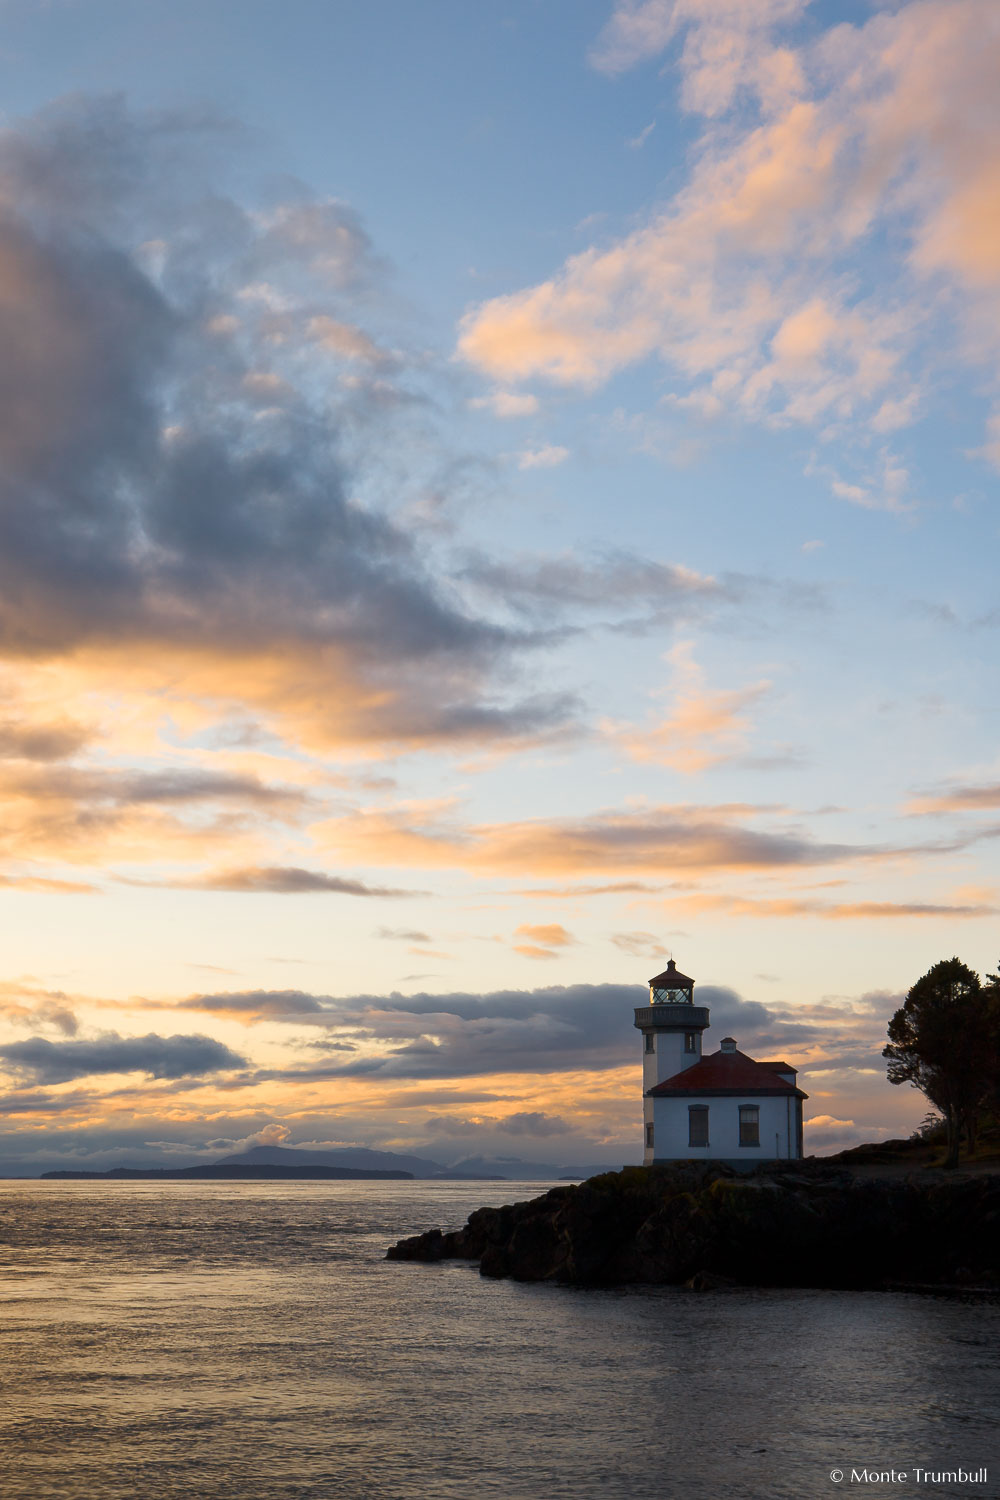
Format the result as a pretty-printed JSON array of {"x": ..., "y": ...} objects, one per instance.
[{"x": 669, "y": 997}]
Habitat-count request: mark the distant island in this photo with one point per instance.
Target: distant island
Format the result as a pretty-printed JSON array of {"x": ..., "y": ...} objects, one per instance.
[
  {"x": 283, "y": 1163},
  {"x": 881, "y": 1217},
  {"x": 359, "y": 1162},
  {"x": 220, "y": 1173}
]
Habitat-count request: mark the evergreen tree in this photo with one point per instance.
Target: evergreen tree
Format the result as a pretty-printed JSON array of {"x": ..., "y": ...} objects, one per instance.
[{"x": 945, "y": 1040}]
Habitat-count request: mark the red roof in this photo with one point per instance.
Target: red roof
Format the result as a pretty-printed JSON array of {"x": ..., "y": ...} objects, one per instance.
[
  {"x": 777, "y": 1067},
  {"x": 672, "y": 979},
  {"x": 726, "y": 1073}
]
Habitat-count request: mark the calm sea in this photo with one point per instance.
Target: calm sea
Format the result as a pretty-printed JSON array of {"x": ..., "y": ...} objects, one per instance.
[{"x": 248, "y": 1340}]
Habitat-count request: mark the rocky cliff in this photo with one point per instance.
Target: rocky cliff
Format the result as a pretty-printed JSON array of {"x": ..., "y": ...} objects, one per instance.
[{"x": 810, "y": 1224}]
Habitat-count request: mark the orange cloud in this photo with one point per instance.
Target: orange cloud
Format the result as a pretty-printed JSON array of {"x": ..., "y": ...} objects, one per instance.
[
  {"x": 704, "y": 728},
  {"x": 545, "y": 939},
  {"x": 658, "y": 839},
  {"x": 750, "y": 906},
  {"x": 983, "y": 798},
  {"x": 552, "y": 934},
  {"x": 739, "y": 285}
]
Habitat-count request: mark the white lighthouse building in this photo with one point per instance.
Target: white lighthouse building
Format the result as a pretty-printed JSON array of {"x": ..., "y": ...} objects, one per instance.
[{"x": 722, "y": 1106}]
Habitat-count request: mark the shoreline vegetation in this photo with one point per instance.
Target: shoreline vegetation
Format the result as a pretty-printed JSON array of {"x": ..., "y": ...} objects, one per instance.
[{"x": 874, "y": 1218}]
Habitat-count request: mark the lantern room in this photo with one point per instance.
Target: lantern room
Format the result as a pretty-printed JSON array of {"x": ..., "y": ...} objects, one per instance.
[{"x": 671, "y": 987}]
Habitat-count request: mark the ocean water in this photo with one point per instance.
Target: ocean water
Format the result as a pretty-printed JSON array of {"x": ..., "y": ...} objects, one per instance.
[{"x": 247, "y": 1341}]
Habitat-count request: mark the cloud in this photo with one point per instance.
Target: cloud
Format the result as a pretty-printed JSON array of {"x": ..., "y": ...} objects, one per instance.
[
  {"x": 652, "y": 839},
  {"x": 827, "y": 1133},
  {"x": 269, "y": 1135},
  {"x": 280, "y": 880},
  {"x": 548, "y": 457},
  {"x": 797, "y": 906},
  {"x": 639, "y": 944},
  {"x": 637, "y": 142},
  {"x": 43, "y": 741},
  {"x": 572, "y": 892},
  {"x": 534, "y": 1123},
  {"x": 615, "y": 581},
  {"x": 723, "y": 47},
  {"x": 794, "y": 278},
  {"x": 347, "y": 340},
  {"x": 704, "y": 727},
  {"x": 25, "y": 1003},
  {"x": 44, "y": 885},
  {"x": 982, "y": 798},
  {"x": 543, "y": 939},
  {"x": 136, "y": 788},
  {"x": 251, "y": 1006},
  {"x": 78, "y": 813},
  {"x": 555, "y": 1029},
  {"x": 506, "y": 404},
  {"x": 179, "y": 508},
  {"x": 45, "y": 1062}
]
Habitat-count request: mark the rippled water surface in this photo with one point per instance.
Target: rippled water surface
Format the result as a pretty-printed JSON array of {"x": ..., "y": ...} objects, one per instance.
[{"x": 247, "y": 1340}]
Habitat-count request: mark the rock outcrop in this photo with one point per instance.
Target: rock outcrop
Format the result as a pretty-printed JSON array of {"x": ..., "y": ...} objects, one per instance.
[{"x": 809, "y": 1224}]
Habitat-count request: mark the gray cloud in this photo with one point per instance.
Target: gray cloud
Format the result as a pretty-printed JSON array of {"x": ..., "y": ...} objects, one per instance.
[
  {"x": 639, "y": 944},
  {"x": 136, "y": 788},
  {"x": 616, "y": 579},
  {"x": 570, "y": 892},
  {"x": 40, "y": 1103},
  {"x": 548, "y": 1030},
  {"x": 411, "y": 1098},
  {"x": 452, "y": 1126},
  {"x": 957, "y": 798},
  {"x": 19, "y": 741},
  {"x": 534, "y": 1123},
  {"x": 286, "y": 880},
  {"x": 166, "y": 479},
  {"x": 851, "y": 1058},
  {"x": 258, "y": 1004},
  {"x": 172, "y": 1057},
  {"x": 633, "y": 593}
]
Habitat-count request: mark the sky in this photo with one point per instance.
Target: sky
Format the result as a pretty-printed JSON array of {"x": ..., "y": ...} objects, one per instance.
[{"x": 491, "y": 497}]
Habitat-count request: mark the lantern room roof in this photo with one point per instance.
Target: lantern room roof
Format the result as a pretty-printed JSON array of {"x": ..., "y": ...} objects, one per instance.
[{"x": 671, "y": 979}]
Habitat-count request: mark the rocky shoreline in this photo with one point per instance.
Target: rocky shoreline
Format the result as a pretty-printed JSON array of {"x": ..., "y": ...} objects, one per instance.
[{"x": 807, "y": 1224}]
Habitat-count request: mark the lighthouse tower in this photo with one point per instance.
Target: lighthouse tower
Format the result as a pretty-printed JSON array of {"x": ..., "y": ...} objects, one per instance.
[{"x": 671, "y": 1026}]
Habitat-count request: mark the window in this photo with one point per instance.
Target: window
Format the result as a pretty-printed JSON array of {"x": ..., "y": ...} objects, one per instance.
[
  {"x": 690, "y": 1041},
  {"x": 697, "y": 1124},
  {"x": 650, "y": 1042},
  {"x": 649, "y": 1135},
  {"x": 749, "y": 1125}
]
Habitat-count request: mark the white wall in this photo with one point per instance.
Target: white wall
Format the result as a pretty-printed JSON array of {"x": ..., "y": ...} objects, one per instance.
[
  {"x": 648, "y": 1152},
  {"x": 669, "y": 1057},
  {"x": 670, "y": 1129}
]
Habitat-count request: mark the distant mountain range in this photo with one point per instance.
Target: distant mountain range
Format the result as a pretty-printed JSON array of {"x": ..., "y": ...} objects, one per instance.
[
  {"x": 339, "y": 1156},
  {"x": 478, "y": 1167},
  {"x": 217, "y": 1173},
  {"x": 351, "y": 1161}
]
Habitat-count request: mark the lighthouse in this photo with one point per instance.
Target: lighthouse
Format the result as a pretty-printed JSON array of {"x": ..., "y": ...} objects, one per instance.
[{"x": 723, "y": 1106}]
